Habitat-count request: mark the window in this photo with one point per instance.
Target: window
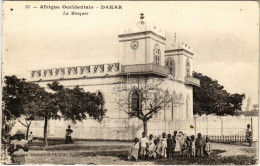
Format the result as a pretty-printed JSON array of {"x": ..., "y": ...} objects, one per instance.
[
  {"x": 157, "y": 55},
  {"x": 135, "y": 101},
  {"x": 188, "y": 67},
  {"x": 171, "y": 65},
  {"x": 99, "y": 94},
  {"x": 187, "y": 108}
]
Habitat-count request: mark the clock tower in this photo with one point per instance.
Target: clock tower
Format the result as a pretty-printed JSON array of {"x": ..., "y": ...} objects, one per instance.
[{"x": 142, "y": 45}]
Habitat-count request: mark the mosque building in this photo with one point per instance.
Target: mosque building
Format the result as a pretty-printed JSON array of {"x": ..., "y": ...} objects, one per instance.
[{"x": 142, "y": 51}]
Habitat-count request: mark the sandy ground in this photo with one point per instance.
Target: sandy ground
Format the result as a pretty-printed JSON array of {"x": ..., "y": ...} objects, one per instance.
[
  {"x": 236, "y": 150},
  {"x": 81, "y": 155}
]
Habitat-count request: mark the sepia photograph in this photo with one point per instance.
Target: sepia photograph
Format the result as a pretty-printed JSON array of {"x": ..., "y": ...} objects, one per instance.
[{"x": 130, "y": 83}]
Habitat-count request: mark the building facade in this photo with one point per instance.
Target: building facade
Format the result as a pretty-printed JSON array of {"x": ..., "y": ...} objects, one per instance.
[{"x": 142, "y": 52}]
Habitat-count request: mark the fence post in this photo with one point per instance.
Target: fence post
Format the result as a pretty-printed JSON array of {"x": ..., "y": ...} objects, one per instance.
[
  {"x": 252, "y": 128},
  {"x": 207, "y": 126},
  {"x": 195, "y": 125},
  {"x": 222, "y": 129}
]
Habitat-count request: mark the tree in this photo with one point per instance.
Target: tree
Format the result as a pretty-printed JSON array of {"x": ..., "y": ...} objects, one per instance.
[
  {"x": 212, "y": 98},
  {"x": 235, "y": 101},
  {"x": 20, "y": 98},
  {"x": 142, "y": 97},
  {"x": 71, "y": 104}
]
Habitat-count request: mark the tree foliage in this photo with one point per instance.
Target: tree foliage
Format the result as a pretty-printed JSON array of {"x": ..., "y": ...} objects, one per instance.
[
  {"x": 75, "y": 104},
  {"x": 20, "y": 97},
  {"x": 212, "y": 98},
  {"x": 31, "y": 100}
]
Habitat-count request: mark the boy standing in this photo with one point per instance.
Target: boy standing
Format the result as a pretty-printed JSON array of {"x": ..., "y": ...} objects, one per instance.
[
  {"x": 207, "y": 148},
  {"x": 193, "y": 147},
  {"x": 174, "y": 142},
  {"x": 151, "y": 148},
  {"x": 163, "y": 145},
  {"x": 143, "y": 145},
  {"x": 199, "y": 145},
  {"x": 133, "y": 154},
  {"x": 249, "y": 135},
  {"x": 169, "y": 146}
]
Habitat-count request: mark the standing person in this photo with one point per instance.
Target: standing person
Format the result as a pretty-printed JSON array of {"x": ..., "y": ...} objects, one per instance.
[
  {"x": 174, "y": 142},
  {"x": 182, "y": 138},
  {"x": 68, "y": 139},
  {"x": 157, "y": 148},
  {"x": 189, "y": 144},
  {"x": 177, "y": 148},
  {"x": 193, "y": 147},
  {"x": 18, "y": 148},
  {"x": 249, "y": 135},
  {"x": 151, "y": 148},
  {"x": 164, "y": 145},
  {"x": 133, "y": 154},
  {"x": 199, "y": 145},
  {"x": 207, "y": 148},
  {"x": 169, "y": 146},
  {"x": 143, "y": 145},
  {"x": 30, "y": 137}
]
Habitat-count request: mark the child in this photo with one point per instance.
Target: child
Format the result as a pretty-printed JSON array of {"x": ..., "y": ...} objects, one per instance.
[
  {"x": 174, "y": 142},
  {"x": 189, "y": 150},
  {"x": 133, "y": 153},
  {"x": 169, "y": 146},
  {"x": 151, "y": 148},
  {"x": 157, "y": 148},
  {"x": 143, "y": 145},
  {"x": 199, "y": 145},
  {"x": 249, "y": 135},
  {"x": 207, "y": 148},
  {"x": 193, "y": 148},
  {"x": 184, "y": 149},
  {"x": 182, "y": 138},
  {"x": 163, "y": 145},
  {"x": 177, "y": 148},
  {"x": 30, "y": 137}
]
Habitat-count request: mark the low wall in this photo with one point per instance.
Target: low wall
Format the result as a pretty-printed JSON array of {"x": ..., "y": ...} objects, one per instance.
[{"x": 226, "y": 128}]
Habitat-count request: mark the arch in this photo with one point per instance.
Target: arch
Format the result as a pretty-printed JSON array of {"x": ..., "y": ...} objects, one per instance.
[
  {"x": 157, "y": 54},
  {"x": 188, "y": 68},
  {"x": 188, "y": 107},
  {"x": 101, "y": 96},
  {"x": 181, "y": 101},
  {"x": 134, "y": 101},
  {"x": 174, "y": 95},
  {"x": 181, "y": 104},
  {"x": 170, "y": 63}
]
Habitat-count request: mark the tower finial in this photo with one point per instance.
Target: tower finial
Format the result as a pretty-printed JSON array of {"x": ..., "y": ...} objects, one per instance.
[
  {"x": 141, "y": 24},
  {"x": 141, "y": 16}
]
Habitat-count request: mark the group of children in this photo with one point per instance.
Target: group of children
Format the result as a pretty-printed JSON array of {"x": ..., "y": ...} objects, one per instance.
[{"x": 172, "y": 146}]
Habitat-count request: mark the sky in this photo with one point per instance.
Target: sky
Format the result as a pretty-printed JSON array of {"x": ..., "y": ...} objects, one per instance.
[{"x": 224, "y": 36}]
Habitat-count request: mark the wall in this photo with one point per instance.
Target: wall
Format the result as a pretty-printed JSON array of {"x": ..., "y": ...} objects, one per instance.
[{"x": 216, "y": 128}]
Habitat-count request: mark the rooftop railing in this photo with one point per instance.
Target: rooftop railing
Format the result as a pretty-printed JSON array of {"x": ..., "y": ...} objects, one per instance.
[
  {"x": 145, "y": 69},
  {"x": 192, "y": 81}
]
